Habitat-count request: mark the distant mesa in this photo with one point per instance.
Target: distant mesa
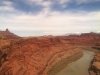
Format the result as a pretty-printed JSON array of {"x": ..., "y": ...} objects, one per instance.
[{"x": 8, "y": 35}]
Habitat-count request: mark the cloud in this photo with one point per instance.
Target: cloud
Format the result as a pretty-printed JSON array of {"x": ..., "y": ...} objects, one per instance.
[
  {"x": 55, "y": 23},
  {"x": 86, "y": 1},
  {"x": 77, "y": 5},
  {"x": 44, "y": 17},
  {"x": 6, "y": 6},
  {"x": 36, "y": 6},
  {"x": 7, "y": 9}
]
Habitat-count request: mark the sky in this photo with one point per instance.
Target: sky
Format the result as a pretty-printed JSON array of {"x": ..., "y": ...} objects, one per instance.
[{"x": 50, "y": 17}]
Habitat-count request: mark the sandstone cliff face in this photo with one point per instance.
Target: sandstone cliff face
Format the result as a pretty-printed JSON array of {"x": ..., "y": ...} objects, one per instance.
[
  {"x": 94, "y": 68},
  {"x": 4, "y": 43},
  {"x": 8, "y": 35},
  {"x": 87, "y": 39},
  {"x": 35, "y": 56}
]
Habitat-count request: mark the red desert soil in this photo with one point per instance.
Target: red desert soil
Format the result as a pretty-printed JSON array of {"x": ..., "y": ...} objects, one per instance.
[{"x": 36, "y": 56}]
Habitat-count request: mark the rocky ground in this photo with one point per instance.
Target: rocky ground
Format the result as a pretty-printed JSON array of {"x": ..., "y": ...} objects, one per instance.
[
  {"x": 37, "y": 55},
  {"x": 34, "y": 56},
  {"x": 94, "y": 68}
]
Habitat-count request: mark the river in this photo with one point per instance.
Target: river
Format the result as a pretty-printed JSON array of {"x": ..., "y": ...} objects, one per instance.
[{"x": 78, "y": 67}]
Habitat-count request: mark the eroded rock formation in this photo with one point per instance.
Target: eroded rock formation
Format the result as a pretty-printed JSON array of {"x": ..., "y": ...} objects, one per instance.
[
  {"x": 8, "y": 35},
  {"x": 94, "y": 68},
  {"x": 37, "y": 55}
]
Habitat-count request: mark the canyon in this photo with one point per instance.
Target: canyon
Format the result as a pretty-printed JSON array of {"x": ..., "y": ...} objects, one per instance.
[{"x": 40, "y": 55}]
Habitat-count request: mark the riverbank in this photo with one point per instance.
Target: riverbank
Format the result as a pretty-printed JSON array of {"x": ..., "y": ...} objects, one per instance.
[
  {"x": 76, "y": 65},
  {"x": 64, "y": 62},
  {"x": 94, "y": 68}
]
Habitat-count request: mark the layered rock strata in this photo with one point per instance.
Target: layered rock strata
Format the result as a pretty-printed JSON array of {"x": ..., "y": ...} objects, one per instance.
[{"x": 34, "y": 56}]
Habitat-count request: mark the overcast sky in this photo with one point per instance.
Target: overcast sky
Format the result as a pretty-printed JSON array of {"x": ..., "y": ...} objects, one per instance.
[{"x": 49, "y": 17}]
